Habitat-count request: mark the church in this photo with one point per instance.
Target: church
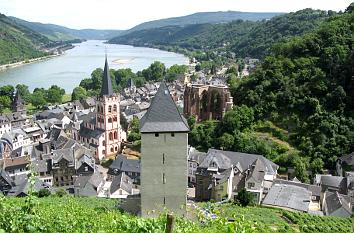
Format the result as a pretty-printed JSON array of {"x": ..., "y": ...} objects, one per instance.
[{"x": 100, "y": 130}]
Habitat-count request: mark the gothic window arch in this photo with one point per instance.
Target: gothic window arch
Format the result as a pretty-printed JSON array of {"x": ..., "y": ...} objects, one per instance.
[
  {"x": 110, "y": 136},
  {"x": 115, "y": 119},
  {"x": 115, "y": 108},
  {"x": 112, "y": 149},
  {"x": 110, "y": 120},
  {"x": 109, "y": 108},
  {"x": 115, "y": 135}
]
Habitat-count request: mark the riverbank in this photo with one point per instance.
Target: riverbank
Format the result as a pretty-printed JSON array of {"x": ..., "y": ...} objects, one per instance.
[{"x": 29, "y": 61}]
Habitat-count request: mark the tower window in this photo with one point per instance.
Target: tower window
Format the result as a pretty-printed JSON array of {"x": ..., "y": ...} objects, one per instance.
[
  {"x": 156, "y": 134},
  {"x": 163, "y": 178},
  {"x": 164, "y": 200},
  {"x": 163, "y": 158},
  {"x": 172, "y": 134}
]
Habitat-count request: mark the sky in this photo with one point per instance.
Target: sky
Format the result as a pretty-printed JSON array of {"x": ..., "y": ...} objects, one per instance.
[{"x": 124, "y": 14}]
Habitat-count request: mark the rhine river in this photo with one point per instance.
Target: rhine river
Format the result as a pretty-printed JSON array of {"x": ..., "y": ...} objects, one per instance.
[{"x": 76, "y": 64}]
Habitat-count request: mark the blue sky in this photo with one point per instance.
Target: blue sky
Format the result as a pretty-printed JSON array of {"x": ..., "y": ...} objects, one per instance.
[{"x": 119, "y": 14}]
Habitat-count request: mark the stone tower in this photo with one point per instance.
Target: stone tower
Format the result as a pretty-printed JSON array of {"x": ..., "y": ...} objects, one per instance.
[
  {"x": 107, "y": 116},
  {"x": 164, "y": 143},
  {"x": 18, "y": 105}
]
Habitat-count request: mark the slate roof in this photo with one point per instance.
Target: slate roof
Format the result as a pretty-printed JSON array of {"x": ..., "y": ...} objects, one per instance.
[
  {"x": 314, "y": 189},
  {"x": 123, "y": 164},
  {"x": 335, "y": 201},
  {"x": 90, "y": 133},
  {"x": 163, "y": 115},
  {"x": 107, "y": 89},
  {"x": 288, "y": 196},
  {"x": 88, "y": 185},
  {"x": 40, "y": 166},
  {"x": 338, "y": 182},
  {"x": 67, "y": 154},
  {"x": 5, "y": 175},
  {"x": 122, "y": 181},
  {"x": 224, "y": 160},
  {"x": 24, "y": 186}
]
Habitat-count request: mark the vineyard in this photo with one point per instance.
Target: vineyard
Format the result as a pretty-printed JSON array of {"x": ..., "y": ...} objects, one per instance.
[{"x": 74, "y": 215}]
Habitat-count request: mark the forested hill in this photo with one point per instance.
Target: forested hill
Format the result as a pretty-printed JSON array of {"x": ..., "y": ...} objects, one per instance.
[
  {"x": 205, "y": 17},
  {"x": 59, "y": 33},
  {"x": 19, "y": 43},
  {"x": 307, "y": 87},
  {"x": 245, "y": 38}
]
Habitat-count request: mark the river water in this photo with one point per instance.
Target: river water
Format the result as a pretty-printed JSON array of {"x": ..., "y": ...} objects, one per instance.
[{"x": 76, "y": 64}]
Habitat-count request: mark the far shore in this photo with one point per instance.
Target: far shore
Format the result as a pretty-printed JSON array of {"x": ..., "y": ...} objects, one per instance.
[{"x": 29, "y": 61}]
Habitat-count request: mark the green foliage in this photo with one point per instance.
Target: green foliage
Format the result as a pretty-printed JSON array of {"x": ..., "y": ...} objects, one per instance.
[
  {"x": 134, "y": 133},
  {"x": 43, "y": 193},
  {"x": 155, "y": 72},
  {"x": 244, "y": 197},
  {"x": 79, "y": 93},
  {"x": 55, "y": 94},
  {"x": 307, "y": 88},
  {"x": 24, "y": 92},
  {"x": 38, "y": 99},
  {"x": 237, "y": 119},
  {"x": 18, "y": 43}
]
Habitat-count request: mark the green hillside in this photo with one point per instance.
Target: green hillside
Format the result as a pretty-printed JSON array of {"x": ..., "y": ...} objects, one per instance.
[
  {"x": 244, "y": 38},
  {"x": 307, "y": 88},
  {"x": 19, "y": 43},
  {"x": 66, "y": 214},
  {"x": 60, "y": 33},
  {"x": 205, "y": 17}
]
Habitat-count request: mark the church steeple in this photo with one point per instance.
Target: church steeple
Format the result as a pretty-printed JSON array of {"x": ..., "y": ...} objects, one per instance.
[
  {"x": 107, "y": 89},
  {"x": 18, "y": 105}
]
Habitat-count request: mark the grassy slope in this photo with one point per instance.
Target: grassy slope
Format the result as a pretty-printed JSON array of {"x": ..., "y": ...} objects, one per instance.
[
  {"x": 18, "y": 43},
  {"x": 68, "y": 214}
]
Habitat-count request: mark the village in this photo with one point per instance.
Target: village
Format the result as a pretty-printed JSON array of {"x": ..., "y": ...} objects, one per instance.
[{"x": 82, "y": 148}]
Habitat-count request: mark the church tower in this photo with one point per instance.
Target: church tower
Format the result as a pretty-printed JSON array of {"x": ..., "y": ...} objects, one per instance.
[
  {"x": 164, "y": 144},
  {"x": 18, "y": 105},
  {"x": 107, "y": 116}
]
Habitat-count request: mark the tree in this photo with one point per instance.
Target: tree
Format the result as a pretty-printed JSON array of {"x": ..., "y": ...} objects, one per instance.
[
  {"x": 43, "y": 193},
  {"x": 24, "y": 92},
  {"x": 239, "y": 118},
  {"x": 244, "y": 197},
  {"x": 55, "y": 94},
  {"x": 226, "y": 141},
  {"x": 37, "y": 99},
  {"x": 155, "y": 72},
  {"x": 5, "y": 102},
  {"x": 79, "y": 93}
]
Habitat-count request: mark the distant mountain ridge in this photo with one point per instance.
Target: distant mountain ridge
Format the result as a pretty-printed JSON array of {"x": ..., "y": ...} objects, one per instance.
[
  {"x": 57, "y": 33},
  {"x": 205, "y": 17},
  {"x": 244, "y": 38}
]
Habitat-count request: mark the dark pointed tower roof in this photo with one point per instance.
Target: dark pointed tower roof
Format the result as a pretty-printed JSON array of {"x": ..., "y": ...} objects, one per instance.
[
  {"x": 163, "y": 115},
  {"x": 107, "y": 89}
]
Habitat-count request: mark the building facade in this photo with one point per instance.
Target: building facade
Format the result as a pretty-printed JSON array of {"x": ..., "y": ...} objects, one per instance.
[
  {"x": 207, "y": 102},
  {"x": 164, "y": 145}
]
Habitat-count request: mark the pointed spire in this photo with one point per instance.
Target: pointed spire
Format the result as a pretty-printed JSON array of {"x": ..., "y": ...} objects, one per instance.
[
  {"x": 163, "y": 115},
  {"x": 107, "y": 89}
]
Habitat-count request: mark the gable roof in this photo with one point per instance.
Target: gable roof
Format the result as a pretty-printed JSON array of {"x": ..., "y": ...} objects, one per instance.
[
  {"x": 123, "y": 164},
  {"x": 163, "y": 115},
  {"x": 107, "y": 89},
  {"x": 122, "y": 181},
  {"x": 335, "y": 201}
]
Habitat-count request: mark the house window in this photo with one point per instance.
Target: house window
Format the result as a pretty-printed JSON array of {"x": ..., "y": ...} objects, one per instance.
[
  {"x": 250, "y": 185},
  {"x": 172, "y": 134},
  {"x": 86, "y": 169},
  {"x": 156, "y": 134}
]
